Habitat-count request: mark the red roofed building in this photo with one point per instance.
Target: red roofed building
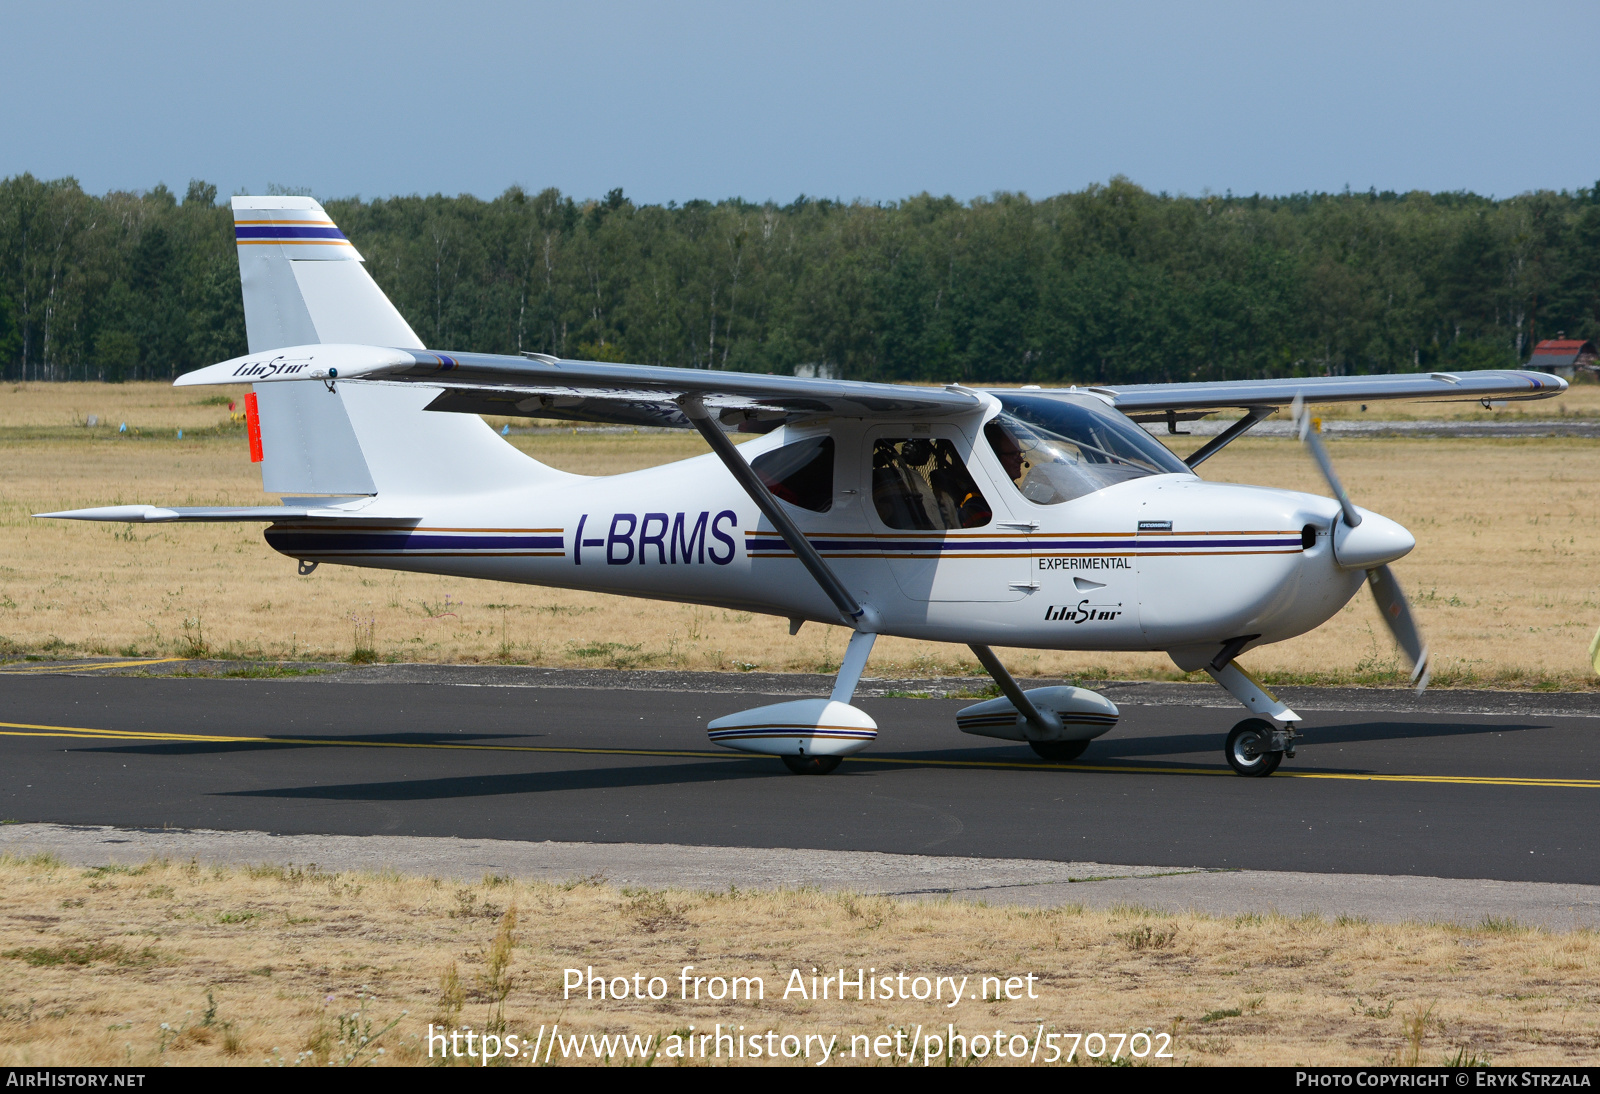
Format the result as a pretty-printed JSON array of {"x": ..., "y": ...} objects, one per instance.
[{"x": 1564, "y": 356}]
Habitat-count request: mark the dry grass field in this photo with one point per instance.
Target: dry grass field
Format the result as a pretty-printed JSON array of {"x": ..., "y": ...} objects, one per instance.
[
  {"x": 173, "y": 963},
  {"x": 1499, "y": 578}
]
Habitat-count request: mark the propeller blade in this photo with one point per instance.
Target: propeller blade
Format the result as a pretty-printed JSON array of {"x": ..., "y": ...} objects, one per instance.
[
  {"x": 1313, "y": 442},
  {"x": 1385, "y": 586},
  {"x": 1397, "y": 614}
]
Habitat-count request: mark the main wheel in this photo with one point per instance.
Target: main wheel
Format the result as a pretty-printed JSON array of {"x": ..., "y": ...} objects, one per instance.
[
  {"x": 1249, "y": 748},
  {"x": 811, "y": 765},
  {"x": 1058, "y": 751}
]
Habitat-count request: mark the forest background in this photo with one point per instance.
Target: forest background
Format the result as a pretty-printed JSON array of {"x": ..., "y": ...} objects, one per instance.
[{"x": 1112, "y": 284}]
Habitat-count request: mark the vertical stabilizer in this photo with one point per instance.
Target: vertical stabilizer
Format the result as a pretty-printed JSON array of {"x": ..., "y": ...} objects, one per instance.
[{"x": 304, "y": 282}]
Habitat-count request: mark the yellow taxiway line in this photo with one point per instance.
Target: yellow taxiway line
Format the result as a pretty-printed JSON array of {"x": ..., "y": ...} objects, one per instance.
[
  {"x": 18, "y": 729},
  {"x": 45, "y": 670}
]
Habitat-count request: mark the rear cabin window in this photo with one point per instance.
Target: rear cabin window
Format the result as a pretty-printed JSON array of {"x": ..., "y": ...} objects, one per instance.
[
  {"x": 800, "y": 473},
  {"x": 921, "y": 483}
]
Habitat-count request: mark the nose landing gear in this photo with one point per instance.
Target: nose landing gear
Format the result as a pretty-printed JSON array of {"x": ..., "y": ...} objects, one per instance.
[
  {"x": 1255, "y": 746},
  {"x": 1249, "y": 748}
]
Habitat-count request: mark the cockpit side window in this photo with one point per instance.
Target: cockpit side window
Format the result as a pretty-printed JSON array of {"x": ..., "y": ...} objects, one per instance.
[
  {"x": 921, "y": 483},
  {"x": 1058, "y": 448},
  {"x": 800, "y": 473}
]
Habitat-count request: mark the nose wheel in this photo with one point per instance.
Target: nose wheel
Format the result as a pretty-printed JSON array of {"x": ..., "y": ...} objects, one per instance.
[{"x": 1249, "y": 748}]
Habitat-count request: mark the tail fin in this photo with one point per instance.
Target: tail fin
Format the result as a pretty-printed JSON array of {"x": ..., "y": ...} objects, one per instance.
[
  {"x": 304, "y": 282},
  {"x": 303, "y": 285}
]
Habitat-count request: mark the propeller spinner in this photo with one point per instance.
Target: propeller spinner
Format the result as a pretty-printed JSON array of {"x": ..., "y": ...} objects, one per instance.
[{"x": 1366, "y": 541}]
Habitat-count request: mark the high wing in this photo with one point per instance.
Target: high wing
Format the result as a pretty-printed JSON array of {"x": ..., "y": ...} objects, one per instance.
[
  {"x": 1145, "y": 402},
  {"x": 538, "y": 386}
]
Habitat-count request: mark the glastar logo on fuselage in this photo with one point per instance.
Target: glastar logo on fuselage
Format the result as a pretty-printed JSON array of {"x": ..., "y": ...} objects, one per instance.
[{"x": 1082, "y": 612}]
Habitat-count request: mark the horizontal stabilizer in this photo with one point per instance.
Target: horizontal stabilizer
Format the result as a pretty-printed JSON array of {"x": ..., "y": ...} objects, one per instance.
[
  {"x": 155, "y": 514},
  {"x": 310, "y": 362}
]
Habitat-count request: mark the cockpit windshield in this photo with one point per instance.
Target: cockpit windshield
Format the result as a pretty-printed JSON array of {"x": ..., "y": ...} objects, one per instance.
[{"x": 1060, "y": 447}]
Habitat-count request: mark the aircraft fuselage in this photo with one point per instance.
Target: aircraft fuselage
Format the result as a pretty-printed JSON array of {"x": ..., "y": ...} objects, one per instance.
[{"x": 1157, "y": 563}]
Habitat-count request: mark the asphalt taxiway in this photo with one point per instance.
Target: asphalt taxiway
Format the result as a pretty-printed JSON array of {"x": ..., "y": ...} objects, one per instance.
[{"x": 1467, "y": 785}]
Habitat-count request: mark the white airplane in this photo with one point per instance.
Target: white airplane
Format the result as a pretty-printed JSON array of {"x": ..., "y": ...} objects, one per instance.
[{"x": 1034, "y": 518}]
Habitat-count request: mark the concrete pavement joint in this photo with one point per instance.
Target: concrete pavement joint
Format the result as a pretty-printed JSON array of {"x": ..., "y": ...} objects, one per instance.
[{"x": 1030, "y": 882}]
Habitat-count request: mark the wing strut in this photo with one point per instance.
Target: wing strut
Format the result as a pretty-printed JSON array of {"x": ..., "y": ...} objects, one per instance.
[
  {"x": 1238, "y": 429},
  {"x": 694, "y": 409}
]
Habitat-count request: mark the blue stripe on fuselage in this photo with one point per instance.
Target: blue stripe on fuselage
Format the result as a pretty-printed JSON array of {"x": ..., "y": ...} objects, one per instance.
[
  {"x": 317, "y": 542},
  {"x": 967, "y": 546}
]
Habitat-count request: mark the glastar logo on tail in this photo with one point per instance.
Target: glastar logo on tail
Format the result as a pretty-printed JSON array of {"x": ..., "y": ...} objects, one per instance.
[{"x": 260, "y": 370}]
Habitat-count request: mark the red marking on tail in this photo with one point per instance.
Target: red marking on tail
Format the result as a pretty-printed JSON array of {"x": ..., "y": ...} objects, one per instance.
[{"x": 252, "y": 425}]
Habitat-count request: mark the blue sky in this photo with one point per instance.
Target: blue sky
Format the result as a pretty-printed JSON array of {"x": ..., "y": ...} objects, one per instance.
[{"x": 769, "y": 100}]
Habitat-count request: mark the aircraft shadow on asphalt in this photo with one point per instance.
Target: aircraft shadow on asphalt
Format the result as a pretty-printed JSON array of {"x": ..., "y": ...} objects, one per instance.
[
  {"x": 1196, "y": 749},
  {"x": 529, "y": 782},
  {"x": 213, "y": 747},
  {"x": 1176, "y": 744},
  {"x": 736, "y": 768}
]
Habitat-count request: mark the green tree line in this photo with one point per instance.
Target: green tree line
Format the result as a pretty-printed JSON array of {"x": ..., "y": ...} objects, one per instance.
[{"x": 1109, "y": 284}]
